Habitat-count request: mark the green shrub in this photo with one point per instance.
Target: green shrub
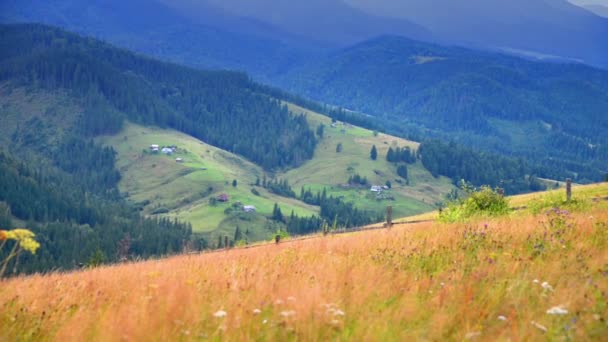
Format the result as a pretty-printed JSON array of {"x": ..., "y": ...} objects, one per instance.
[{"x": 483, "y": 202}]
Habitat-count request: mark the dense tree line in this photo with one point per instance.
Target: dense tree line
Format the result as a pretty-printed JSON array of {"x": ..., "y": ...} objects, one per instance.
[
  {"x": 279, "y": 187},
  {"x": 460, "y": 163},
  {"x": 335, "y": 208},
  {"x": 358, "y": 180},
  {"x": 400, "y": 154},
  {"x": 73, "y": 221},
  {"x": 224, "y": 109}
]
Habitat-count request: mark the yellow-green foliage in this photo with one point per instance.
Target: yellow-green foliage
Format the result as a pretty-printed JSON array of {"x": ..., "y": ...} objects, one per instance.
[{"x": 484, "y": 202}]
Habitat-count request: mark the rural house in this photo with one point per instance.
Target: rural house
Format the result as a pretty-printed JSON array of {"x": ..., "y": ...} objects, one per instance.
[
  {"x": 223, "y": 198},
  {"x": 249, "y": 209},
  {"x": 376, "y": 188}
]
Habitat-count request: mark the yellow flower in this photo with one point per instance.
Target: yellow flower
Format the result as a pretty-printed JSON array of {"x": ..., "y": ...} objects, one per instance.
[
  {"x": 3, "y": 235},
  {"x": 24, "y": 237}
]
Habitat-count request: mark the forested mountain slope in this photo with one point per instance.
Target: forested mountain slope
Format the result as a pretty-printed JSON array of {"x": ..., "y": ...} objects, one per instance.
[
  {"x": 205, "y": 37},
  {"x": 553, "y": 113},
  {"x": 222, "y": 108}
]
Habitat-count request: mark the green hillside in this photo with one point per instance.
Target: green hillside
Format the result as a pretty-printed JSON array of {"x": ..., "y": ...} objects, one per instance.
[
  {"x": 159, "y": 183},
  {"x": 185, "y": 189},
  {"x": 550, "y": 114}
]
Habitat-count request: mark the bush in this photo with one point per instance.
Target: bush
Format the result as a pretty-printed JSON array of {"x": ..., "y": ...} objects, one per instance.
[{"x": 483, "y": 202}]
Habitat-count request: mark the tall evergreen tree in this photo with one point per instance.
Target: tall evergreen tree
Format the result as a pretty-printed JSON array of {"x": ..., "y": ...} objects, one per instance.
[{"x": 373, "y": 154}]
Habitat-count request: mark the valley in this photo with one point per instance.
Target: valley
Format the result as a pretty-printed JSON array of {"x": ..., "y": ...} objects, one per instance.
[{"x": 186, "y": 190}]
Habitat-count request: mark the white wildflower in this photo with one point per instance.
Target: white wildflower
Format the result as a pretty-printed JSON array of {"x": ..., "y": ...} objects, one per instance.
[
  {"x": 557, "y": 310},
  {"x": 265, "y": 321},
  {"x": 472, "y": 335},
  {"x": 546, "y": 286},
  {"x": 535, "y": 281},
  {"x": 288, "y": 313},
  {"x": 291, "y": 299},
  {"x": 502, "y": 318},
  {"x": 339, "y": 312},
  {"x": 278, "y": 302},
  {"x": 257, "y": 311},
  {"x": 539, "y": 326},
  {"x": 220, "y": 314}
]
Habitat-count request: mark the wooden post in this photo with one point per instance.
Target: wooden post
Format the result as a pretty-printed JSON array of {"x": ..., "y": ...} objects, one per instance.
[
  {"x": 226, "y": 245},
  {"x": 568, "y": 189},
  {"x": 277, "y": 239},
  {"x": 389, "y": 216}
]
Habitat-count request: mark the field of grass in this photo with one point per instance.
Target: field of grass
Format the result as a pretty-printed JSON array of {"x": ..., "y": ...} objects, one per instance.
[
  {"x": 184, "y": 189},
  {"x": 331, "y": 169},
  {"x": 520, "y": 277}
]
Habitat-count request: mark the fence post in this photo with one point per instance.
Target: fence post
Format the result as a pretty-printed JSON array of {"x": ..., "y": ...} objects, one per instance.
[
  {"x": 389, "y": 216},
  {"x": 277, "y": 239},
  {"x": 568, "y": 189},
  {"x": 226, "y": 245}
]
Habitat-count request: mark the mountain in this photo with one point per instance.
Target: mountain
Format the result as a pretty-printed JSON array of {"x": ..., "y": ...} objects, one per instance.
[
  {"x": 213, "y": 39},
  {"x": 545, "y": 27},
  {"x": 328, "y": 21},
  {"x": 549, "y": 112},
  {"x": 600, "y": 10},
  {"x": 79, "y": 119}
]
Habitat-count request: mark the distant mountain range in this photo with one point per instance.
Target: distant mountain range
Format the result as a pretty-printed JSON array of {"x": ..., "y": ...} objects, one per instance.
[
  {"x": 552, "y": 112},
  {"x": 549, "y": 27},
  {"x": 600, "y": 10}
]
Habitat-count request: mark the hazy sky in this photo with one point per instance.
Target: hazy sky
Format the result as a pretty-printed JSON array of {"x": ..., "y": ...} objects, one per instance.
[{"x": 587, "y": 2}]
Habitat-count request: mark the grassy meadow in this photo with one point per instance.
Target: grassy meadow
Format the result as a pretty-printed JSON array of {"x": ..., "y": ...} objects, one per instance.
[
  {"x": 524, "y": 276},
  {"x": 183, "y": 190}
]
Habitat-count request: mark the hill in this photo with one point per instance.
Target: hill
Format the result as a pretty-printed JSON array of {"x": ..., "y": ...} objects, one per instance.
[
  {"x": 541, "y": 27},
  {"x": 60, "y": 91},
  {"x": 76, "y": 108},
  {"x": 205, "y": 37},
  {"x": 600, "y": 10},
  {"x": 521, "y": 277},
  {"x": 331, "y": 22},
  {"x": 552, "y": 114},
  {"x": 185, "y": 189}
]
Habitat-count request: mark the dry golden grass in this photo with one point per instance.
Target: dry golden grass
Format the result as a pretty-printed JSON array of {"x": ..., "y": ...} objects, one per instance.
[{"x": 424, "y": 281}]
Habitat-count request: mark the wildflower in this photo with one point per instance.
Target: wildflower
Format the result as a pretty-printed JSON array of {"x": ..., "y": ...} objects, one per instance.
[
  {"x": 24, "y": 237},
  {"x": 265, "y": 321},
  {"x": 502, "y": 318},
  {"x": 535, "y": 281},
  {"x": 335, "y": 322},
  {"x": 339, "y": 312},
  {"x": 257, "y": 311},
  {"x": 3, "y": 235},
  {"x": 278, "y": 302},
  {"x": 539, "y": 326},
  {"x": 288, "y": 313},
  {"x": 220, "y": 314},
  {"x": 291, "y": 299},
  {"x": 546, "y": 286},
  {"x": 557, "y": 310},
  {"x": 472, "y": 335}
]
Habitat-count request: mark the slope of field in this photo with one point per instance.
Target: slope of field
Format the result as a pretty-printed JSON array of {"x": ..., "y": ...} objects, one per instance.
[
  {"x": 184, "y": 189},
  {"x": 329, "y": 169},
  {"x": 521, "y": 277}
]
